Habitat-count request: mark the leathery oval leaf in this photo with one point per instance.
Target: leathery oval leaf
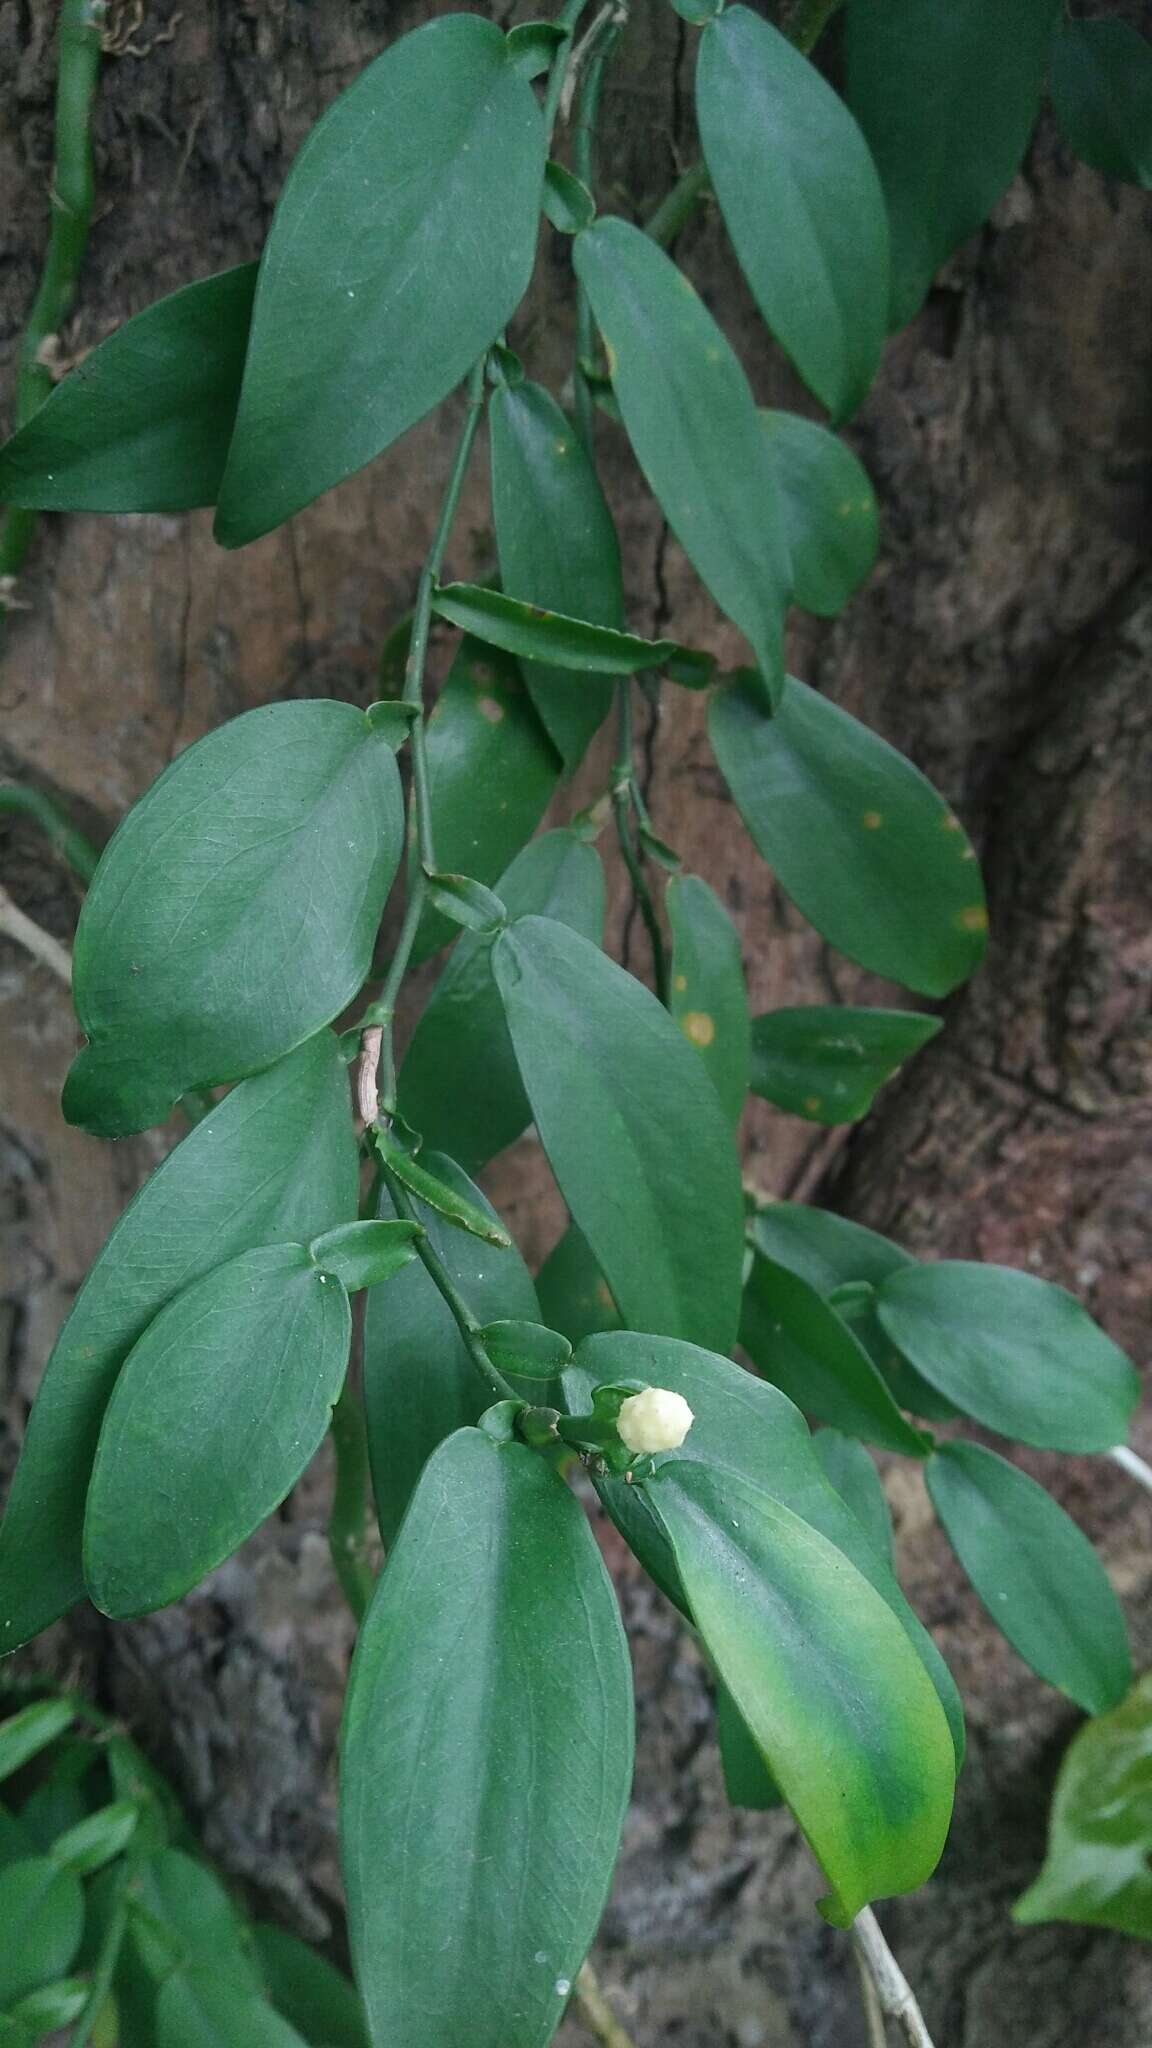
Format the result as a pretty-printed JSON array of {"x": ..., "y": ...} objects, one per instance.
[
  {"x": 824, "y": 1678},
  {"x": 1101, "y": 85},
  {"x": 1036, "y": 1573},
  {"x": 207, "y": 947},
  {"x": 574, "y": 1296},
  {"x": 557, "y": 546},
  {"x": 1016, "y": 1352},
  {"x": 142, "y": 424},
  {"x": 691, "y": 418},
  {"x": 308, "y": 1990},
  {"x": 850, "y": 1470},
  {"x": 828, "y": 1062},
  {"x": 1096, "y": 1871},
  {"x": 493, "y": 1634},
  {"x": 633, "y": 1130},
  {"x": 801, "y": 199},
  {"x": 462, "y": 1031},
  {"x": 398, "y": 251},
  {"x": 529, "y": 631},
  {"x": 42, "y": 1914},
  {"x": 744, "y": 1425},
  {"x": 274, "y": 1161},
  {"x": 857, "y": 837},
  {"x": 829, "y": 510},
  {"x": 708, "y": 998},
  {"x": 419, "y": 1382},
  {"x": 216, "y": 1413}
]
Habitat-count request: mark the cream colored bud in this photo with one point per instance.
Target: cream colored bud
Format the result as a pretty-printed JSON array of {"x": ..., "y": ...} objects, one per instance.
[{"x": 656, "y": 1420}]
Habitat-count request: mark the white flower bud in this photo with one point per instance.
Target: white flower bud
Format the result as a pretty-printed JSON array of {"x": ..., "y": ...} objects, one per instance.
[{"x": 656, "y": 1420}]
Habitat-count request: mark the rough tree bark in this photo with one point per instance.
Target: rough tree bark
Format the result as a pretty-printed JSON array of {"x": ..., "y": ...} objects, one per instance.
[{"x": 1004, "y": 642}]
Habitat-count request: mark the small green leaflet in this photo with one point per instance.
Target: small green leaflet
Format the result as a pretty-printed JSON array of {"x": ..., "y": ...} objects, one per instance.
[
  {"x": 849, "y": 1468},
  {"x": 94, "y": 1841},
  {"x": 827, "y": 1063},
  {"x": 24, "y": 1735},
  {"x": 440, "y": 1195},
  {"x": 1096, "y": 1872},
  {"x": 947, "y": 93},
  {"x": 529, "y": 1350},
  {"x": 1020, "y": 1355},
  {"x": 574, "y": 1295},
  {"x": 363, "y": 319},
  {"x": 533, "y": 44},
  {"x": 538, "y": 635},
  {"x": 824, "y": 1678},
  {"x": 829, "y": 511},
  {"x": 1036, "y": 1573},
  {"x": 194, "y": 1452},
  {"x": 142, "y": 424},
  {"x": 568, "y": 203},
  {"x": 692, "y": 421},
  {"x": 633, "y": 1130},
  {"x": 419, "y": 1382},
  {"x": 707, "y": 996},
  {"x": 315, "y": 1997},
  {"x": 43, "y": 2011},
  {"x": 801, "y": 200},
  {"x": 234, "y": 910},
  {"x": 42, "y": 1914},
  {"x": 1100, "y": 79},
  {"x": 276, "y": 1160},
  {"x": 363, "y": 1254},
  {"x": 474, "y": 1888},
  {"x": 797, "y": 1340},
  {"x": 858, "y": 838},
  {"x": 484, "y": 734},
  {"x": 195, "y": 2009},
  {"x": 189, "y": 1918},
  {"x": 557, "y": 546},
  {"x": 462, "y": 1031}
]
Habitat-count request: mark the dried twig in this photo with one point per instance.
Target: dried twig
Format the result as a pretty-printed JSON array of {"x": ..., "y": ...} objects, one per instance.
[
  {"x": 896, "y": 1996},
  {"x": 16, "y": 925}
]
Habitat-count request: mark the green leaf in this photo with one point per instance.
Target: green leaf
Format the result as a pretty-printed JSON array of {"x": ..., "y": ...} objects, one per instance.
[
  {"x": 466, "y": 902},
  {"x": 1036, "y": 1573},
  {"x": 234, "y": 911},
  {"x": 539, "y": 635},
  {"x": 363, "y": 1254},
  {"x": 858, "y": 838},
  {"x": 947, "y": 92},
  {"x": 189, "y": 1919},
  {"x": 24, "y": 1735},
  {"x": 848, "y": 1467},
  {"x": 820, "y": 1670},
  {"x": 1096, "y": 1872},
  {"x": 747, "y": 1780},
  {"x": 194, "y": 1454},
  {"x": 745, "y": 1426},
  {"x": 828, "y": 508},
  {"x": 142, "y": 424},
  {"x": 437, "y": 1194},
  {"x": 53, "y": 2006},
  {"x": 633, "y": 1130},
  {"x": 557, "y": 546},
  {"x": 708, "y": 997},
  {"x": 276, "y": 1160},
  {"x": 574, "y": 1295},
  {"x": 533, "y": 44},
  {"x": 320, "y": 2001},
  {"x": 827, "y": 1063},
  {"x": 1100, "y": 80},
  {"x": 399, "y": 250},
  {"x": 94, "y": 1841},
  {"x": 486, "y": 1756},
  {"x": 801, "y": 200},
  {"x": 799, "y": 1342},
  {"x": 196, "y": 2010},
  {"x": 527, "y": 1348},
  {"x": 568, "y": 203},
  {"x": 1020, "y": 1355},
  {"x": 462, "y": 1032},
  {"x": 692, "y": 421},
  {"x": 484, "y": 734},
  {"x": 42, "y": 1914},
  {"x": 419, "y": 1381}
]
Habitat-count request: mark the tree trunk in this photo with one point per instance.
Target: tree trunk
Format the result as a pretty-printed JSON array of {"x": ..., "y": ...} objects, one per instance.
[{"x": 1004, "y": 643}]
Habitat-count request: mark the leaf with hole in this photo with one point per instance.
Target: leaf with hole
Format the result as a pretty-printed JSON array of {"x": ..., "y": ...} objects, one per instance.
[
  {"x": 557, "y": 547},
  {"x": 399, "y": 249},
  {"x": 632, "y": 1128},
  {"x": 275, "y": 1161},
  {"x": 234, "y": 911},
  {"x": 1096, "y": 1871},
  {"x": 707, "y": 997},
  {"x": 692, "y": 421},
  {"x": 800, "y": 1343},
  {"x": 493, "y": 1634},
  {"x": 216, "y": 1413},
  {"x": 828, "y": 508},
  {"x": 1020, "y": 1355},
  {"x": 1035, "y": 1571},
  {"x": 857, "y": 837},
  {"x": 801, "y": 200},
  {"x": 827, "y": 1063}
]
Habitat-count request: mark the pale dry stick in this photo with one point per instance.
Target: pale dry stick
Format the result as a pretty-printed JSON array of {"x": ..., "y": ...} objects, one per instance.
[
  {"x": 873, "y": 2010},
  {"x": 35, "y": 940},
  {"x": 596, "y": 2011},
  {"x": 1133, "y": 1465},
  {"x": 895, "y": 1994}
]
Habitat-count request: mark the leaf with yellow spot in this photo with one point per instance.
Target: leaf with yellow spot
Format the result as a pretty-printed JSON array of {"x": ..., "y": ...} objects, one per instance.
[
  {"x": 708, "y": 997},
  {"x": 827, "y": 1062}
]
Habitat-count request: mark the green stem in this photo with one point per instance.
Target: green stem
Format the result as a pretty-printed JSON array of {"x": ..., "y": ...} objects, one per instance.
[
  {"x": 675, "y": 210},
  {"x": 351, "y": 1560},
  {"x": 584, "y": 165},
  {"x": 78, "y": 851},
  {"x": 466, "y": 1322},
  {"x": 623, "y": 791},
  {"x": 71, "y": 213},
  {"x": 106, "y": 1960}
]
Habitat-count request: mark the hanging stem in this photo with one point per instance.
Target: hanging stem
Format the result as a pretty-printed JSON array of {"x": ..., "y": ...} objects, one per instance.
[
  {"x": 623, "y": 793},
  {"x": 437, "y": 1271},
  {"x": 895, "y": 1994},
  {"x": 351, "y": 1560},
  {"x": 70, "y": 200},
  {"x": 1133, "y": 1465},
  {"x": 584, "y": 165},
  {"x": 567, "y": 18},
  {"x": 78, "y": 851},
  {"x": 596, "y": 2011}
]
